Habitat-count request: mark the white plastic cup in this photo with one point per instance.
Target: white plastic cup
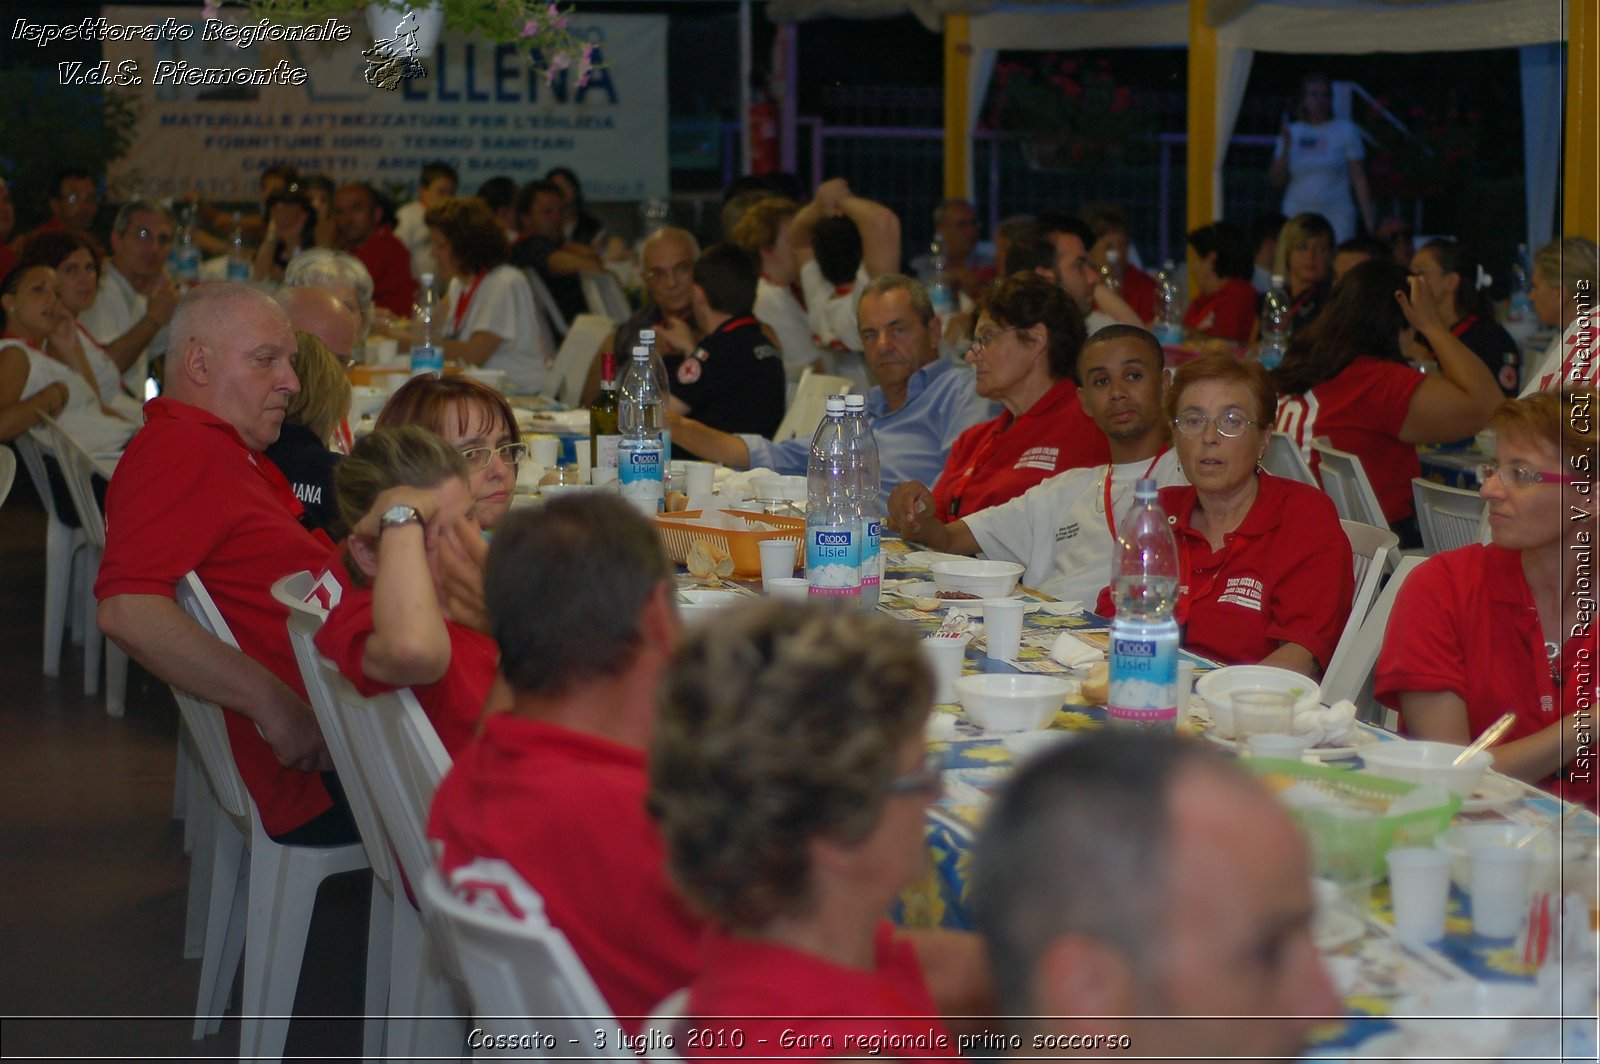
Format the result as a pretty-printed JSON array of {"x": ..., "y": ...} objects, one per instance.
[
  {"x": 1002, "y": 627},
  {"x": 1257, "y": 711},
  {"x": 945, "y": 656},
  {"x": 1500, "y": 880},
  {"x": 1185, "y": 685},
  {"x": 790, "y": 588},
  {"x": 777, "y": 559},
  {"x": 1419, "y": 883},
  {"x": 1284, "y": 747},
  {"x": 697, "y": 477},
  {"x": 382, "y": 351},
  {"x": 599, "y": 475},
  {"x": 544, "y": 450}
]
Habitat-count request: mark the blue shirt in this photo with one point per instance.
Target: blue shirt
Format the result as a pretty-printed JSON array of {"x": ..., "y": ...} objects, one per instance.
[{"x": 913, "y": 442}]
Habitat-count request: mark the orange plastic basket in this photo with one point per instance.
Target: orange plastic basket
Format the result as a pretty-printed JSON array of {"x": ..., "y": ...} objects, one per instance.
[{"x": 679, "y": 532}]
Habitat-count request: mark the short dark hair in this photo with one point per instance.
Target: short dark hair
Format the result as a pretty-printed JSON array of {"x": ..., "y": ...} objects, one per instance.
[
  {"x": 1024, "y": 300},
  {"x": 1035, "y": 251},
  {"x": 837, "y": 245},
  {"x": 1078, "y": 843},
  {"x": 317, "y": 181},
  {"x": 289, "y": 174},
  {"x": 576, "y": 551},
  {"x": 51, "y": 247},
  {"x": 1103, "y": 218},
  {"x": 569, "y": 174},
  {"x": 433, "y": 171},
  {"x": 475, "y": 236},
  {"x": 1049, "y": 223},
  {"x": 71, "y": 173},
  {"x": 1117, "y": 331},
  {"x": 1370, "y": 246},
  {"x": 728, "y": 274},
  {"x": 498, "y": 192},
  {"x": 1234, "y": 256},
  {"x": 525, "y": 195}
]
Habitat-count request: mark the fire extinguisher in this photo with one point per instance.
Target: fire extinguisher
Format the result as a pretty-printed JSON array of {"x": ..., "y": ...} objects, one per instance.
[{"x": 763, "y": 131}]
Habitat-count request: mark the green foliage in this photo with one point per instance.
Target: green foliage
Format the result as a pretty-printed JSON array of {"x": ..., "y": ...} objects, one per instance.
[
  {"x": 46, "y": 127},
  {"x": 1073, "y": 108}
]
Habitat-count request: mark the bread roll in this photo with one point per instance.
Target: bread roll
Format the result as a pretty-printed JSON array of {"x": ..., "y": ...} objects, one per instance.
[{"x": 1096, "y": 685}]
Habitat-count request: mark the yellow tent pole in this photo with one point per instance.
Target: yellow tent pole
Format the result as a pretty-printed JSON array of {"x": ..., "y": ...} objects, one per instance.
[
  {"x": 1580, "y": 208},
  {"x": 1202, "y": 161},
  {"x": 957, "y": 125}
]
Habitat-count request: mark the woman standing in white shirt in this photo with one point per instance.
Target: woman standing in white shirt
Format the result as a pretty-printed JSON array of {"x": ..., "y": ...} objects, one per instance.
[
  {"x": 489, "y": 317},
  {"x": 1320, "y": 158}
]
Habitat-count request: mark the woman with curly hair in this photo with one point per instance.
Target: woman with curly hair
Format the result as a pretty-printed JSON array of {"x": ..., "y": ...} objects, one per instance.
[{"x": 488, "y": 317}]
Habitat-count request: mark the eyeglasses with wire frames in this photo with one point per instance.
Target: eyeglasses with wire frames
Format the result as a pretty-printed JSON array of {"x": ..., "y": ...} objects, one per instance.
[
  {"x": 981, "y": 343},
  {"x": 1230, "y": 423},
  {"x": 680, "y": 271},
  {"x": 480, "y": 457},
  {"x": 927, "y": 780},
  {"x": 1527, "y": 478}
]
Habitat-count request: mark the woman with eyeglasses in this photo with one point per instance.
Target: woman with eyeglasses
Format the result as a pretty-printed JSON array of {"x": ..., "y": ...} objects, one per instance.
[
  {"x": 404, "y": 496},
  {"x": 1346, "y": 378},
  {"x": 474, "y": 419},
  {"x": 1509, "y": 625},
  {"x": 303, "y": 451},
  {"x": 790, "y": 778},
  {"x": 1265, "y": 569},
  {"x": 1025, "y": 353},
  {"x": 1456, "y": 280}
]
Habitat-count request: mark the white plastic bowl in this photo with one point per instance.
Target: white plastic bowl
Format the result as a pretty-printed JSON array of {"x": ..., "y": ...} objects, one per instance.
[
  {"x": 699, "y": 603},
  {"x": 1011, "y": 702},
  {"x": 775, "y": 487},
  {"x": 977, "y": 577},
  {"x": 1459, "y": 841},
  {"x": 1427, "y": 763},
  {"x": 1216, "y": 688}
]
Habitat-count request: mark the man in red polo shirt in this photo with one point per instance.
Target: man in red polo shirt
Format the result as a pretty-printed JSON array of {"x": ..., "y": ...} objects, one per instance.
[
  {"x": 359, "y": 220},
  {"x": 193, "y": 492},
  {"x": 556, "y": 786}
]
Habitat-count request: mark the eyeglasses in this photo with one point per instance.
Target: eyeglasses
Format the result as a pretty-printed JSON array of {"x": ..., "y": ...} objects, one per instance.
[
  {"x": 145, "y": 235},
  {"x": 1527, "y": 478},
  {"x": 677, "y": 273},
  {"x": 1229, "y": 423},
  {"x": 981, "y": 343},
  {"x": 929, "y": 779},
  {"x": 479, "y": 457}
]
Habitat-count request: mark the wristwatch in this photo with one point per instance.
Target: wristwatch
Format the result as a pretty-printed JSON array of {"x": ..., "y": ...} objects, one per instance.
[{"x": 399, "y": 515}]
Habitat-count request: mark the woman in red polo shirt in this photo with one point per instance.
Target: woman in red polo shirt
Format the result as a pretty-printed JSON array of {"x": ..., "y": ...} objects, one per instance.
[
  {"x": 1224, "y": 305},
  {"x": 1266, "y": 573},
  {"x": 1025, "y": 352},
  {"x": 1508, "y": 625},
  {"x": 403, "y": 493},
  {"x": 1346, "y": 378},
  {"x": 790, "y": 778}
]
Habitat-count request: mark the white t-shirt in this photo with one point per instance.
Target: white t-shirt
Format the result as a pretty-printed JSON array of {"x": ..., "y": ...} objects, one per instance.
[
  {"x": 108, "y": 379},
  {"x": 100, "y": 434},
  {"x": 117, "y": 307},
  {"x": 502, "y": 304},
  {"x": 831, "y": 313},
  {"x": 1319, "y": 170},
  {"x": 1058, "y": 529},
  {"x": 777, "y": 307},
  {"x": 1571, "y": 358}
]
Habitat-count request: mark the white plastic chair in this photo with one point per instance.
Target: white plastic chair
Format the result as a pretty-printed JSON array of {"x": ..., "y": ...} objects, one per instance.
[
  {"x": 666, "y": 1021},
  {"x": 8, "y": 472},
  {"x": 565, "y": 380},
  {"x": 78, "y": 469},
  {"x": 1370, "y": 550},
  {"x": 524, "y": 979},
  {"x": 1350, "y": 674},
  {"x": 546, "y": 302},
  {"x": 604, "y": 295},
  {"x": 1346, "y": 483},
  {"x": 262, "y": 893},
  {"x": 1448, "y": 517},
  {"x": 810, "y": 398},
  {"x": 62, "y": 543},
  {"x": 1283, "y": 459},
  {"x": 400, "y": 759}
]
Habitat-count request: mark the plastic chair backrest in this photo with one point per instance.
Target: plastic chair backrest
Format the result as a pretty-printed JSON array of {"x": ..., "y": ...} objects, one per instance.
[
  {"x": 8, "y": 472},
  {"x": 810, "y": 399},
  {"x": 78, "y": 470},
  {"x": 30, "y": 451},
  {"x": 1370, "y": 549},
  {"x": 1350, "y": 675},
  {"x": 566, "y": 378},
  {"x": 400, "y": 757},
  {"x": 204, "y": 718},
  {"x": 1448, "y": 517},
  {"x": 521, "y": 973},
  {"x": 604, "y": 295},
  {"x": 1283, "y": 459},
  {"x": 305, "y": 619},
  {"x": 545, "y": 301},
  {"x": 1346, "y": 483}
]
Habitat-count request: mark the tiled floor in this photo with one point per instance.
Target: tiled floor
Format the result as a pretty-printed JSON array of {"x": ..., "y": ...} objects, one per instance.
[{"x": 92, "y": 870}]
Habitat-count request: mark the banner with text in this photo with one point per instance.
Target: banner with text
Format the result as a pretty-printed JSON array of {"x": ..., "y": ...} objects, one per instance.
[{"x": 220, "y": 103}]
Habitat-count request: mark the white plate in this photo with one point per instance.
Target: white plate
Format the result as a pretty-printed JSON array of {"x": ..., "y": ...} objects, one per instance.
[
  {"x": 1321, "y": 753},
  {"x": 1334, "y": 929},
  {"x": 1492, "y": 791},
  {"x": 928, "y": 589}
]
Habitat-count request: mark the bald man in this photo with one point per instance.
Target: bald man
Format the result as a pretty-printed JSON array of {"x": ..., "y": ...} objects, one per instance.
[
  {"x": 192, "y": 493},
  {"x": 322, "y": 314}
]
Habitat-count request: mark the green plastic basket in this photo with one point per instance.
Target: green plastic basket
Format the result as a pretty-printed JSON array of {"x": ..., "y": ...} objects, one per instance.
[{"x": 1416, "y": 828}]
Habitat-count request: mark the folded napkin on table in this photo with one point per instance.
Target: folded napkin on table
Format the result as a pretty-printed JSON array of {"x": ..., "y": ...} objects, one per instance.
[
  {"x": 1331, "y": 725},
  {"x": 1073, "y": 652}
]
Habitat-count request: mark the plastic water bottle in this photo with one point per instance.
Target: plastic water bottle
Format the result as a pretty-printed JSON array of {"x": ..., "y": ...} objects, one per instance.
[
  {"x": 185, "y": 253},
  {"x": 1520, "y": 308},
  {"x": 427, "y": 355},
  {"x": 1111, "y": 271},
  {"x": 833, "y": 527},
  {"x": 641, "y": 461},
  {"x": 1275, "y": 316},
  {"x": 647, "y": 339},
  {"x": 238, "y": 261},
  {"x": 1144, "y": 634},
  {"x": 939, "y": 294},
  {"x": 868, "y": 502},
  {"x": 1169, "y": 307}
]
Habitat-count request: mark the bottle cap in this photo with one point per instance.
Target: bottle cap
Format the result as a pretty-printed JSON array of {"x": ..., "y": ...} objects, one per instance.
[
  {"x": 641, "y": 352},
  {"x": 1145, "y": 489},
  {"x": 647, "y": 336},
  {"x": 855, "y": 402},
  {"x": 835, "y": 405},
  {"x": 1277, "y": 280},
  {"x": 427, "y": 280}
]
